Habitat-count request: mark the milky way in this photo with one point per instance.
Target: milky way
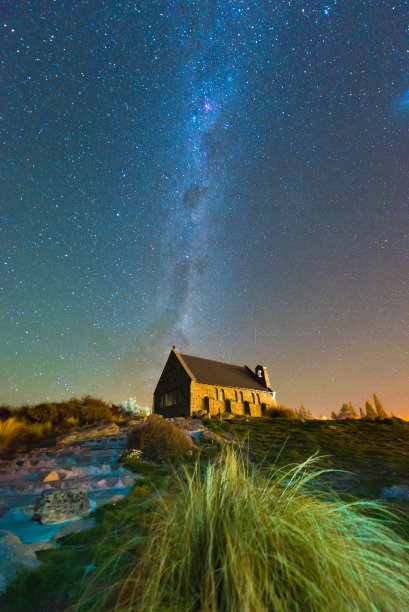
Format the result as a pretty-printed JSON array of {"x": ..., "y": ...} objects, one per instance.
[{"x": 230, "y": 177}]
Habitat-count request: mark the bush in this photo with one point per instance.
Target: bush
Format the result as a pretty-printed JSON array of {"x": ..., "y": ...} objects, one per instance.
[
  {"x": 34, "y": 431},
  {"x": 85, "y": 411},
  {"x": 159, "y": 440},
  {"x": 5, "y": 412},
  {"x": 131, "y": 409},
  {"x": 234, "y": 538},
  {"x": 280, "y": 412}
]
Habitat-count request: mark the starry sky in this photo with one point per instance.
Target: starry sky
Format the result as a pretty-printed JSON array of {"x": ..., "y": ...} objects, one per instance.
[{"x": 231, "y": 177}]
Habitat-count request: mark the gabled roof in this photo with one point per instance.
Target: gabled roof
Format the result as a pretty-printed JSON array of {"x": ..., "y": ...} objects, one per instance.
[{"x": 218, "y": 373}]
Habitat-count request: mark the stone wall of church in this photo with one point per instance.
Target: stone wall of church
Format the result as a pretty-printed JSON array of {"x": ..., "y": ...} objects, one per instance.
[{"x": 215, "y": 400}]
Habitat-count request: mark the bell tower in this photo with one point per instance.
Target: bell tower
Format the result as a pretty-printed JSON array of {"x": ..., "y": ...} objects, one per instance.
[{"x": 262, "y": 376}]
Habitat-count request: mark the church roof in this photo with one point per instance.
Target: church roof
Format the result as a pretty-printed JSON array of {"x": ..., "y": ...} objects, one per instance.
[{"x": 218, "y": 373}]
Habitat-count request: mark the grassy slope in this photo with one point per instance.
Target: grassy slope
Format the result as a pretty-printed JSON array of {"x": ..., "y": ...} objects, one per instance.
[{"x": 377, "y": 452}]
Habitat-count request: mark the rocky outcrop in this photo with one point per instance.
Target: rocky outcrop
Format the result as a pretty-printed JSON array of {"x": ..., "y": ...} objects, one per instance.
[
  {"x": 13, "y": 554},
  {"x": 55, "y": 506}
]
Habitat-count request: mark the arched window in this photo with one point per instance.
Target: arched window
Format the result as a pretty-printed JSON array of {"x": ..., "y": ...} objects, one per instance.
[
  {"x": 222, "y": 394},
  {"x": 252, "y": 397},
  {"x": 217, "y": 393},
  {"x": 258, "y": 398},
  {"x": 236, "y": 397},
  {"x": 241, "y": 396}
]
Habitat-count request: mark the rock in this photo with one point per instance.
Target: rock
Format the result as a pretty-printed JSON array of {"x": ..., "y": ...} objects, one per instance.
[
  {"x": 56, "y": 506},
  {"x": 13, "y": 553},
  {"x": 51, "y": 476},
  {"x": 36, "y": 517},
  {"x": 197, "y": 437},
  {"x": 74, "y": 527},
  {"x": 395, "y": 491}
]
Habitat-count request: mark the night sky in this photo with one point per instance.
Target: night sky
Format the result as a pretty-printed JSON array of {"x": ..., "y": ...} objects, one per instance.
[{"x": 231, "y": 177}]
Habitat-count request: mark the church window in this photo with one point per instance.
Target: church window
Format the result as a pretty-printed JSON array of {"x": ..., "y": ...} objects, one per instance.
[
  {"x": 236, "y": 397},
  {"x": 171, "y": 397}
]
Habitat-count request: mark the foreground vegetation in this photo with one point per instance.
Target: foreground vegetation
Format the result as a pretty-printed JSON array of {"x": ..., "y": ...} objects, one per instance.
[
  {"x": 243, "y": 529},
  {"x": 31, "y": 425}
]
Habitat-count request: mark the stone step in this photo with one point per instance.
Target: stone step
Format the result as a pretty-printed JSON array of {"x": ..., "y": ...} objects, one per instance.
[
  {"x": 26, "y": 465},
  {"x": 107, "y": 481},
  {"x": 62, "y": 472}
]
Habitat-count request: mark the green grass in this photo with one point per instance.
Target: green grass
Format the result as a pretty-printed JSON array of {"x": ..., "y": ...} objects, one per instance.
[
  {"x": 233, "y": 537},
  {"x": 375, "y": 452},
  {"x": 160, "y": 542}
]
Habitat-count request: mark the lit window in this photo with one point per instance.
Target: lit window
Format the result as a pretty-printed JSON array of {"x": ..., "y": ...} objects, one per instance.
[{"x": 171, "y": 398}]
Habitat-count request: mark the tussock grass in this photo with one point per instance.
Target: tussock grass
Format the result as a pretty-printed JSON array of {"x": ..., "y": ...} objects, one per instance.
[
  {"x": 159, "y": 440},
  {"x": 237, "y": 538},
  {"x": 9, "y": 431}
]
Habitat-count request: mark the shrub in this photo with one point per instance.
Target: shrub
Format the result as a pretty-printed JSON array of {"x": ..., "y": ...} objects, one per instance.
[
  {"x": 35, "y": 431},
  {"x": 131, "y": 409},
  {"x": 159, "y": 440},
  {"x": 279, "y": 412},
  {"x": 86, "y": 411},
  {"x": 5, "y": 412},
  {"x": 131, "y": 459},
  {"x": 72, "y": 421},
  {"x": 9, "y": 430},
  {"x": 234, "y": 538},
  {"x": 94, "y": 413}
]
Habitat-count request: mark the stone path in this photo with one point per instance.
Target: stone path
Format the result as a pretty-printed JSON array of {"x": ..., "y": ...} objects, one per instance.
[{"x": 91, "y": 464}]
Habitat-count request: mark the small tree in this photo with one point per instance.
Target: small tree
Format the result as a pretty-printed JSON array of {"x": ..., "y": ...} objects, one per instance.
[
  {"x": 370, "y": 411},
  {"x": 304, "y": 413},
  {"x": 333, "y": 416},
  {"x": 347, "y": 412},
  {"x": 379, "y": 408}
]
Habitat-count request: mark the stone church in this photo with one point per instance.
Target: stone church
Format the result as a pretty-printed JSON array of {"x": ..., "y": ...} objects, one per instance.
[{"x": 192, "y": 385}]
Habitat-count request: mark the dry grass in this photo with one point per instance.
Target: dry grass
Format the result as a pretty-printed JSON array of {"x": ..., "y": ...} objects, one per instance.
[
  {"x": 159, "y": 440},
  {"x": 235, "y": 538},
  {"x": 10, "y": 429},
  {"x": 72, "y": 421}
]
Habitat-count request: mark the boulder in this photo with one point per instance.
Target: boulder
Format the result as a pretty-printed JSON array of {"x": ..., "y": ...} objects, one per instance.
[
  {"x": 55, "y": 506},
  {"x": 397, "y": 492},
  {"x": 13, "y": 553}
]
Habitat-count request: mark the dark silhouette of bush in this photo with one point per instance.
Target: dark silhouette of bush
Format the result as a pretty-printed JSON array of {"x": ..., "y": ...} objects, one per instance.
[
  {"x": 87, "y": 410},
  {"x": 280, "y": 412},
  {"x": 5, "y": 412},
  {"x": 159, "y": 440}
]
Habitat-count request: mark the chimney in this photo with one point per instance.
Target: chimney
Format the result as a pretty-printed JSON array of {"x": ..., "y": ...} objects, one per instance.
[{"x": 262, "y": 376}]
